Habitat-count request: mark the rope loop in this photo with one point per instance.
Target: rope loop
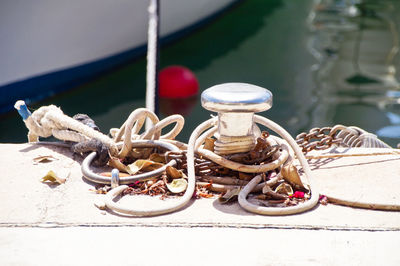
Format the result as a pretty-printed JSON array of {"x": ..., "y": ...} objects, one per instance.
[
  {"x": 51, "y": 121},
  {"x": 130, "y": 129},
  {"x": 158, "y": 127},
  {"x": 208, "y": 128}
]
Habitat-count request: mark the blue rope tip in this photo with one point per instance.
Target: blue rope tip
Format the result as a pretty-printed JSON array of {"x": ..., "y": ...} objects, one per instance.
[
  {"x": 114, "y": 178},
  {"x": 22, "y": 109},
  {"x": 114, "y": 173}
]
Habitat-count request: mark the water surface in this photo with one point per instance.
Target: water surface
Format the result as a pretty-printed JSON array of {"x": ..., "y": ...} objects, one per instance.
[{"x": 326, "y": 63}]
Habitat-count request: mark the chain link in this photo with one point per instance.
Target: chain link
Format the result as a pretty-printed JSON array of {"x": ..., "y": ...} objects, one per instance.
[{"x": 317, "y": 139}]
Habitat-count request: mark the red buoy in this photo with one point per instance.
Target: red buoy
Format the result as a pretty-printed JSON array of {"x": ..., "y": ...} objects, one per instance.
[{"x": 177, "y": 82}]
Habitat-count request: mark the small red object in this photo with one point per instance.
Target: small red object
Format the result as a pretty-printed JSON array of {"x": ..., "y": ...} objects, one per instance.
[
  {"x": 298, "y": 194},
  {"x": 177, "y": 82}
]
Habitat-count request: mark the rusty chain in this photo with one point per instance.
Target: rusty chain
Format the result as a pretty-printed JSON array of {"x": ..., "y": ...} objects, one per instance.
[
  {"x": 261, "y": 153},
  {"x": 203, "y": 167},
  {"x": 315, "y": 139},
  {"x": 318, "y": 139}
]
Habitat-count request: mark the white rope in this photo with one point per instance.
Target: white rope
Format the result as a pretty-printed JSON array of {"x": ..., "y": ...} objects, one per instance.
[
  {"x": 128, "y": 129},
  {"x": 156, "y": 129},
  {"x": 306, "y": 168},
  {"x": 67, "y": 122},
  {"x": 356, "y": 137},
  {"x": 51, "y": 121},
  {"x": 165, "y": 208},
  {"x": 234, "y": 165},
  {"x": 68, "y": 135},
  {"x": 282, "y": 158}
]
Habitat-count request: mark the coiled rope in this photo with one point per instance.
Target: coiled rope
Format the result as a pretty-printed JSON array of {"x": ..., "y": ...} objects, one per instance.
[
  {"x": 200, "y": 133},
  {"x": 50, "y": 120},
  {"x": 342, "y": 136}
]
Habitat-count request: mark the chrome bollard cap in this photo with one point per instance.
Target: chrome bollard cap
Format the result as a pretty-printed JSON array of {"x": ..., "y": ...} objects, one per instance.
[{"x": 236, "y": 97}]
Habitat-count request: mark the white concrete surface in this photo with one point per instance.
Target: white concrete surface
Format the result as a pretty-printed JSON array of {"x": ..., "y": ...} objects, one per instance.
[
  {"x": 195, "y": 246},
  {"x": 59, "y": 225}
]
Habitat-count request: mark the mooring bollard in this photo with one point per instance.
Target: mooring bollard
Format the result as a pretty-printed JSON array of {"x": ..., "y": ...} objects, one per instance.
[
  {"x": 236, "y": 131},
  {"x": 236, "y": 104}
]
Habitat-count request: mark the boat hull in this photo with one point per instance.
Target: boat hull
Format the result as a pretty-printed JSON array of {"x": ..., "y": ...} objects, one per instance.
[{"x": 50, "y": 47}]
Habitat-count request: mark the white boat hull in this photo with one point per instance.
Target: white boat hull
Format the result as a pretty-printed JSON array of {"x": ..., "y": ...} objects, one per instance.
[{"x": 44, "y": 36}]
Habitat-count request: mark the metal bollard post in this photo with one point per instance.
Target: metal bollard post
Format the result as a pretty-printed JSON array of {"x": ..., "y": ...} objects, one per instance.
[{"x": 236, "y": 104}]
